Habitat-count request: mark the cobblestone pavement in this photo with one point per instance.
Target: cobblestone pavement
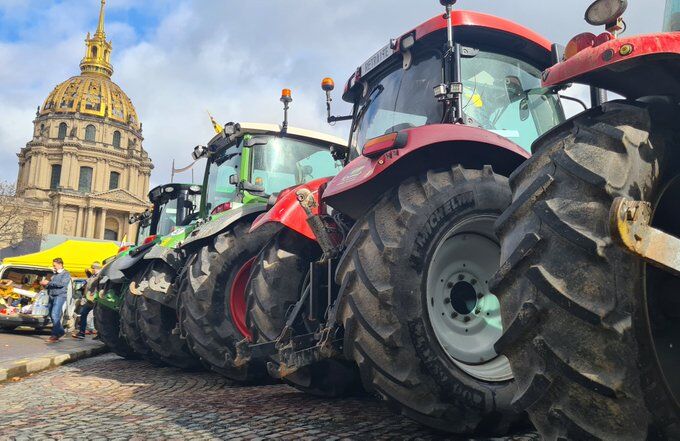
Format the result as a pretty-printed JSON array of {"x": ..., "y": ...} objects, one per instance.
[{"x": 107, "y": 397}]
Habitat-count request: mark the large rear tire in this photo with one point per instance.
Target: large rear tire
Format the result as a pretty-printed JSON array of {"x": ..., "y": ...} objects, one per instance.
[
  {"x": 277, "y": 281},
  {"x": 576, "y": 306},
  {"x": 159, "y": 327},
  {"x": 107, "y": 323},
  {"x": 212, "y": 320},
  {"x": 419, "y": 319}
]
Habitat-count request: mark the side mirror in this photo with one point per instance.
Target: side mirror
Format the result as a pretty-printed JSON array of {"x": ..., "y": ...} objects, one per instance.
[
  {"x": 233, "y": 179},
  {"x": 251, "y": 142},
  {"x": 514, "y": 88}
]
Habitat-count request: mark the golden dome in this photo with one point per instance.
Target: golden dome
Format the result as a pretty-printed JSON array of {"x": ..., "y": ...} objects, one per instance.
[
  {"x": 93, "y": 92},
  {"x": 95, "y": 95}
]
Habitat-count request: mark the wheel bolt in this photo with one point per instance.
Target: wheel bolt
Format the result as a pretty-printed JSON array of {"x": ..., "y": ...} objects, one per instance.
[
  {"x": 473, "y": 281},
  {"x": 461, "y": 277},
  {"x": 454, "y": 314},
  {"x": 447, "y": 300},
  {"x": 449, "y": 285},
  {"x": 480, "y": 295},
  {"x": 466, "y": 318},
  {"x": 477, "y": 311}
]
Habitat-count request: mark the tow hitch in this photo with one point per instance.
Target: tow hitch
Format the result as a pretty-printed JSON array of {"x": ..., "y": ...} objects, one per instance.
[{"x": 629, "y": 224}]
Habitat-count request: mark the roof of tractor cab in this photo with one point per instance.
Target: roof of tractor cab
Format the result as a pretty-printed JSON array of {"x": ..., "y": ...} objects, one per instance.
[
  {"x": 275, "y": 129},
  {"x": 469, "y": 20}
]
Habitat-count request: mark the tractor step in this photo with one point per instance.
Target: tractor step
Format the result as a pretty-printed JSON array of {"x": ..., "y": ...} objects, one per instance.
[{"x": 629, "y": 224}]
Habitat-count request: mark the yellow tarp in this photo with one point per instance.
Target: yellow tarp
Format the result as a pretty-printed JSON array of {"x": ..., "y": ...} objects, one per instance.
[{"x": 78, "y": 255}]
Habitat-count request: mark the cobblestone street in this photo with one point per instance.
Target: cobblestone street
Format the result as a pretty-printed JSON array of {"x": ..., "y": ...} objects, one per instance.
[{"x": 107, "y": 397}]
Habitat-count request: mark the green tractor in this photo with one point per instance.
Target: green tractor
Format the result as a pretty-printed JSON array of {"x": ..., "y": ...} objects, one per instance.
[
  {"x": 192, "y": 279},
  {"x": 174, "y": 206}
]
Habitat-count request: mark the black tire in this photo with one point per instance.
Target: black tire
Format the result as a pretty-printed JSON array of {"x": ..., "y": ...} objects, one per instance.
[
  {"x": 205, "y": 315},
  {"x": 107, "y": 323},
  {"x": 159, "y": 327},
  {"x": 129, "y": 318},
  {"x": 387, "y": 326},
  {"x": 574, "y": 309},
  {"x": 276, "y": 283}
]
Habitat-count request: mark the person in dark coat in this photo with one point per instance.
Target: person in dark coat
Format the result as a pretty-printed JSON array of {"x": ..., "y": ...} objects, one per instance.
[
  {"x": 89, "y": 302},
  {"x": 57, "y": 289}
]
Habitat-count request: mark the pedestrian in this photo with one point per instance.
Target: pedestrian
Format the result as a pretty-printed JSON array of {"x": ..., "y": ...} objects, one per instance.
[
  {"x": 57, "y": 289},
  {"x": 88, "y": 299}
]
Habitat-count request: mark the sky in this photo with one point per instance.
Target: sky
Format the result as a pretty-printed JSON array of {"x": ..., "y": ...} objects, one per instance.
[{"x": 178, "y": 58}]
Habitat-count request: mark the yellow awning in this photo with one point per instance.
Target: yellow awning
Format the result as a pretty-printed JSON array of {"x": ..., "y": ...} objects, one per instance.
[{"x": 78, "y": 255}]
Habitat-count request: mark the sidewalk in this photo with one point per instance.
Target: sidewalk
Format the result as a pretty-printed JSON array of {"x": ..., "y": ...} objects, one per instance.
[{"x": 26, "y": 352}]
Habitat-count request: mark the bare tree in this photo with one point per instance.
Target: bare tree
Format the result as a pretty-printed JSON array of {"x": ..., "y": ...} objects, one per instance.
[{"x": 17, "y": 221}]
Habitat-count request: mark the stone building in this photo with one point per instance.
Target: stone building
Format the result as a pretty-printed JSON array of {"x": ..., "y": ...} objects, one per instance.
[{"x": 85, "y": 170}]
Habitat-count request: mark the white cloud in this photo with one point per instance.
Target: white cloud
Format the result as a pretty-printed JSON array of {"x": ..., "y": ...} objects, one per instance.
[{"x": 231, "y": 58}]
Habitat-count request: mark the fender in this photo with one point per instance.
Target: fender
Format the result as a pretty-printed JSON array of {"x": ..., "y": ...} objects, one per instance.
[
  {"x": 171, "y": 256},
  {"x": 649, "y": 69},
  {"x": 124, "y": 267},
  {"x": 288, "y": 212},
  {"x": 218, "y": 225},
  {"x": 355, "y": 189}
]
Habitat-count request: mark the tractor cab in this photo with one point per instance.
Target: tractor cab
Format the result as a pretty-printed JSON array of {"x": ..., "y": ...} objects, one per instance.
[
  {"x": 174, "y": 205},
  {"x": 250, "y": 162},
  {"x": 487, "y": 76}
]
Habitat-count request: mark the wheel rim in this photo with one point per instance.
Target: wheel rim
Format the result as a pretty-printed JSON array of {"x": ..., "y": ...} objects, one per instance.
[
  {"x": 464, "y": 315},
  {"x": 661, "y": 294},
  {"x": 237, "y": 299}
]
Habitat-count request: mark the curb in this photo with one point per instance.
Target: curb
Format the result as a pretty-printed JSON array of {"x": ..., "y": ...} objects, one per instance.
[{"x": 34, "y": 365}]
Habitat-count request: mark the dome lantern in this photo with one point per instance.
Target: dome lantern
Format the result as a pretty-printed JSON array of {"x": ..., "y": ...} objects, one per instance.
[{"x": 97, "y": 58}]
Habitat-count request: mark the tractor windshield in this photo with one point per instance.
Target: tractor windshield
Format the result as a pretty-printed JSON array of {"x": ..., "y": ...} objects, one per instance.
[
  {"x": 176, "y": 211},
  {"x": 499, "y": 94},
  {"x": 502, "y": 94},
  {"x": 223, "y": 164},
  {"x": 286, "y": 162}
]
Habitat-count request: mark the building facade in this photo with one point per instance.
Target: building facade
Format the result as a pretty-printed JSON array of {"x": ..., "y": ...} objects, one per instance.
[{"x": 85, "y": 170}]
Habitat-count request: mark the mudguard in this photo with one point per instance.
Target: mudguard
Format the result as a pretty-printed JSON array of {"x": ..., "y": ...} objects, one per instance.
[
  {"x": 637, "y": 66},
  {"x": 354, "y": 190},
  {"x": 124, "y": 267},
  {"x": 288, "y": 211},
  {"x": 217, "y": 225},
  {"x": 171, "y": 256}
]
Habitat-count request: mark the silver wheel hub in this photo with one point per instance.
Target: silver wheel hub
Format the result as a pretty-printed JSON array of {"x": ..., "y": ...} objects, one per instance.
[{"x": 465, "y": 316}]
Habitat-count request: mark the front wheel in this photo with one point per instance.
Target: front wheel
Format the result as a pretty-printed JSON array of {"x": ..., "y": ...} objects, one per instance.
[
  {"x": 107, "y": 323},
  {"x": 419, "y": 318},
  {"x": 212, "y": 300},
  {"x": 279, "y": 278}
]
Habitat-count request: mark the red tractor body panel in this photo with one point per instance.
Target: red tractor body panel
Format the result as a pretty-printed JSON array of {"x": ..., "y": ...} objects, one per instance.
[
  {"x": 287, "y": 210},
  {"x": 354, "y": 189},
  {"x": 642, "y": 65}
]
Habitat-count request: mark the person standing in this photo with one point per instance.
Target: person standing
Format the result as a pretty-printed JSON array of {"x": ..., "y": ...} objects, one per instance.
[
  {"x": 88, "y": 299},
  {"x": 57, "y": 289}
]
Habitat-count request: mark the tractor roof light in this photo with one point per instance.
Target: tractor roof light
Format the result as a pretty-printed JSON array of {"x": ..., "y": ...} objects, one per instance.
[
  {"x": 584, "y": 41},
  {"x": 169, "y": 189},
  {"x": 286, "y": 96},
  {"x": 605, "y": 12},
  {"x": 327, "y": 84}
]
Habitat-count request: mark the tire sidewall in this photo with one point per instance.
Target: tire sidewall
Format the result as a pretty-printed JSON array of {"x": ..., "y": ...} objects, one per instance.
[{"x": 424, "y": 232}]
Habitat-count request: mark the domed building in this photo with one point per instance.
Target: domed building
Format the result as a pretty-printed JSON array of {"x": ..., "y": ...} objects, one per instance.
[{"x": 85, "y": 170}]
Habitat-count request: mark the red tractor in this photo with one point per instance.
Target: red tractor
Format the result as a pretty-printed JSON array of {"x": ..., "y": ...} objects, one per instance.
[
  {"x": 384, "y": 269},
  {"x": 590, "y": 246}
]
